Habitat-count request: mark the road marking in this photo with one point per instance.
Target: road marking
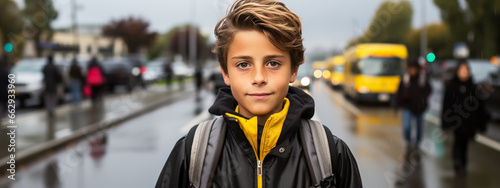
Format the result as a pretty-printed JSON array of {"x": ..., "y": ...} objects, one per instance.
[
  {"x": 340, "y": 99},
  {"x": 433, "y": 119},
  {"x": 488, "y": 142},
  {"x": 201, "y": 117},
  {"x": 480, "y": 138}
]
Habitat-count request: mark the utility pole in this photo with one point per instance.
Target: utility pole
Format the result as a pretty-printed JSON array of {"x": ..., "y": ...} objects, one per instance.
[
  {"x": 192, "y": 35},
  {"x": 423, "y": 34},
  {"x": 76, "y": 38}
]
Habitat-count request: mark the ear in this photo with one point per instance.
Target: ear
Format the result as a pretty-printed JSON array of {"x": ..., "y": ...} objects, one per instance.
[
  {"x": 293, "y": 76},
  {"x": 226, "y": 77}
]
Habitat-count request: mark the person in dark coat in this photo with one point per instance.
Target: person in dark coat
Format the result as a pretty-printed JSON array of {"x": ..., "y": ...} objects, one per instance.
[
  {"x": 412, "y": 95},
  {"x": 51, "y": 78},
  {"x": 97, "y": 89},
  {"x": 76, "y": 76},
  {"x": 169, "y": 73},
  {"x": 198, "y": 75},
  {"x": 4, "y": 82},
  {"x": 463, "y": 111}
]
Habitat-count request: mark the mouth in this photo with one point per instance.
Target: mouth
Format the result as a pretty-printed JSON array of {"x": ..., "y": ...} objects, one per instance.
[{"x": 259, "y": 96}]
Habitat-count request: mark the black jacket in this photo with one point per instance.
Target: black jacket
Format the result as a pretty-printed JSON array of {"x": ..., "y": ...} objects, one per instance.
[
  {"x": 413, "y": 93},
  {"x": 463, "y": 108},
  {"x": 51, "y": 78},
  {"x": 237, "y": 163}
]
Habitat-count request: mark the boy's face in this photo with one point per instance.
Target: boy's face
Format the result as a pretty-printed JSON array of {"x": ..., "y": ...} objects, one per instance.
[{"x": 258, "y": 73}]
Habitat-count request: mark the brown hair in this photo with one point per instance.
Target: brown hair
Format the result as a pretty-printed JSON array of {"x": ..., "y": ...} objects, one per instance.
[{"x": 280, "y": 25}]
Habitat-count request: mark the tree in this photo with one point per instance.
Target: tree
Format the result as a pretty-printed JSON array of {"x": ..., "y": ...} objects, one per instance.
[
  {"x": 477, "y": 24},
  {"x": 40, "y": 13},
  {"x": 390, "y": 24},
  {"x": 133, "y": 31},
  {"x": 438, "y": 41},
  {"x": 178, "y": 43},
  {"x": 10, "y": 20}
]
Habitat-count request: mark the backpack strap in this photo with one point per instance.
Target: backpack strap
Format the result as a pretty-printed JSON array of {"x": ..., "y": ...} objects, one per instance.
[
  {"x": 205, "y": 151},
  {"x": 317, "y": 152}
]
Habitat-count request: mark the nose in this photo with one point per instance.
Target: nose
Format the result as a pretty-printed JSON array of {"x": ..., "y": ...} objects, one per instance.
[{"x": 259, "y": 76}]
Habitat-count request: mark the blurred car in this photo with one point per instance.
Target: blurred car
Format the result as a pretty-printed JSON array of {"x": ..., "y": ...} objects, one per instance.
[
  {"x": 181, "y": 69},
  {"x": 448, "y": 70},
  {"x": 139, "y": 67},
  {"x": 490, "y": 88},
  {"x": 303, "y": 79},
  {"x": 29, "y": 80},
  {"x": 481, "y": 69},
  {"x": 119, "y": 72},
  {"x": 154, "y": 71}
]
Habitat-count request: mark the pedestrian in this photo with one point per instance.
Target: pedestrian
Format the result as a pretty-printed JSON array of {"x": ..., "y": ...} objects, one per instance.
[
  {"x": 259, "y": 47},
  {"x": 198, "y": 75},
  {"x": 413, "y": 91},
  {"x": 76, "y": 81},
  {"x": 96, "y": 80},
  {"x": 51, "y": 78},
  {"x": 169, "y": 73},
  {"x": 464, "y": 113},
  {"x": 4, "y": 83}
]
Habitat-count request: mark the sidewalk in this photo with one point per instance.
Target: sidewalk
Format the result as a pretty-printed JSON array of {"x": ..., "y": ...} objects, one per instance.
[{"x": 36, "y": 133}]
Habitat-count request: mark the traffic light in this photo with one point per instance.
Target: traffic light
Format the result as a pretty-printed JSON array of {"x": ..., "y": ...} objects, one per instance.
[
  {"x": 431, "y": 57},
  {"x": 8, "y": 47}
]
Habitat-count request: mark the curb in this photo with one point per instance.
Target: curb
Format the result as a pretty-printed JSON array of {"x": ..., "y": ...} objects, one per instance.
[{"x": 36, "y": 152}]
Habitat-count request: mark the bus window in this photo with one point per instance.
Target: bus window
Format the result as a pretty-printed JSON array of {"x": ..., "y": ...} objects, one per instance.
[
  {"x": 339, "y": 68},
  {"x": 380, "y": 66}
]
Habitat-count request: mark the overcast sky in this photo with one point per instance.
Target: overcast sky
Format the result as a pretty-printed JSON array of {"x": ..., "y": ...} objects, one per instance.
[{"x": 327, "y": 24}]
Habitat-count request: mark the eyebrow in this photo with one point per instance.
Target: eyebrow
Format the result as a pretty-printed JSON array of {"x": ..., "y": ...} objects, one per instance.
[{"x": 267, "y": 57}]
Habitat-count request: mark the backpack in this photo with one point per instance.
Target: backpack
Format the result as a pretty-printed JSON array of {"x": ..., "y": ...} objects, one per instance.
[
  {"x": 94, "y": 76},
  {"x": 209, "y": 137}
]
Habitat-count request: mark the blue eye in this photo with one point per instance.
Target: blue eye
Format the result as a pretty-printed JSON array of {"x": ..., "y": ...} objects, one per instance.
[
  {"x": 243, "y": 65},
  {"x": 274, "y": 64}
]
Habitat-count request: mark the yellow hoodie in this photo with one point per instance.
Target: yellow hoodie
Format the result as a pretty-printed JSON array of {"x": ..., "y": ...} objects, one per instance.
[{"x": 270, "y": 134}]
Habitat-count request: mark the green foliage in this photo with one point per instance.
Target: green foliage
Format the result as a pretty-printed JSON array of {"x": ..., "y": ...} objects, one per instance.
[
  {"x": 438, "y": 41},
  {"x": 478, "y": 25},
  {"x": 390, "y": 24},
  {"x": 39, "y": 14},
  {"x": 11, "y": 23},
  {"x": 133, "y": 31}
]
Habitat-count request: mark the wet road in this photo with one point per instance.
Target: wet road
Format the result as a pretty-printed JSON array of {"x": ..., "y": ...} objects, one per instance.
[{"x": 133, "y": 153}]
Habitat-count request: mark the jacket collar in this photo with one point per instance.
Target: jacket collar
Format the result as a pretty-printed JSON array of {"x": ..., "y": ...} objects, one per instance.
[
  {"x": 301, "y": 106},
  {"x": 270, "y": 134}
]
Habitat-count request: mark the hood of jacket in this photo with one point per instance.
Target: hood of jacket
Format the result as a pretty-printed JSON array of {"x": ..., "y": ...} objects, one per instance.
[{"x": 301, "y": 106}]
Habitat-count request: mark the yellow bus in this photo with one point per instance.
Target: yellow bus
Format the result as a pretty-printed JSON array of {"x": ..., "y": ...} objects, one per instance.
[
  {"x": 337, "y": 78},
  {"x": 372, "y": 71},
  {"x": 321, "y": 70}
]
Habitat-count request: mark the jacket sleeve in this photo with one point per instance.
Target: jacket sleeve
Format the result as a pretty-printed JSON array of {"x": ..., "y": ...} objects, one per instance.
[
  {"x": 447, "y": 104},
  {"x": 396, "y": 100},
  {"x": 175, "y": 170},
  {"x": 344, "y": 164}
]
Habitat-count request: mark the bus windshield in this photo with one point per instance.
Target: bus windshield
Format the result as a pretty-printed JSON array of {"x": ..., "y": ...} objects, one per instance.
[
  {"x": 339, "y": 68},
  {"x": 380, "y": 66}
]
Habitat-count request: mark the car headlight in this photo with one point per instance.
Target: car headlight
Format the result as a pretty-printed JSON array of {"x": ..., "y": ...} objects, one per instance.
[
  {"x": 305, "y": 81},
  {"x": 34, "y": 86},
  {"x": 363, "y": 89},
  {"x": 136, "y": 71}
]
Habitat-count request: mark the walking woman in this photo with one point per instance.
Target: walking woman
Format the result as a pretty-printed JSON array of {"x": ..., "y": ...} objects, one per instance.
[{"x": 463, "y": 112}]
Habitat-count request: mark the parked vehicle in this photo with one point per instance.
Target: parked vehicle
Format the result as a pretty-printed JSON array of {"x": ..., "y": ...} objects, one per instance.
[
  {"x": 490, "y": 89},
  {"x": 29, "y": 80},
  {"x": 154, "y": 72},
  {"x": 303, "y": 79},
  {"x": 119, "y": 72}
]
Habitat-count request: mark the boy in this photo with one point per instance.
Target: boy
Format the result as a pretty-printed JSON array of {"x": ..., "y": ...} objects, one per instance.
[{"x": 259, "y": 47}]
